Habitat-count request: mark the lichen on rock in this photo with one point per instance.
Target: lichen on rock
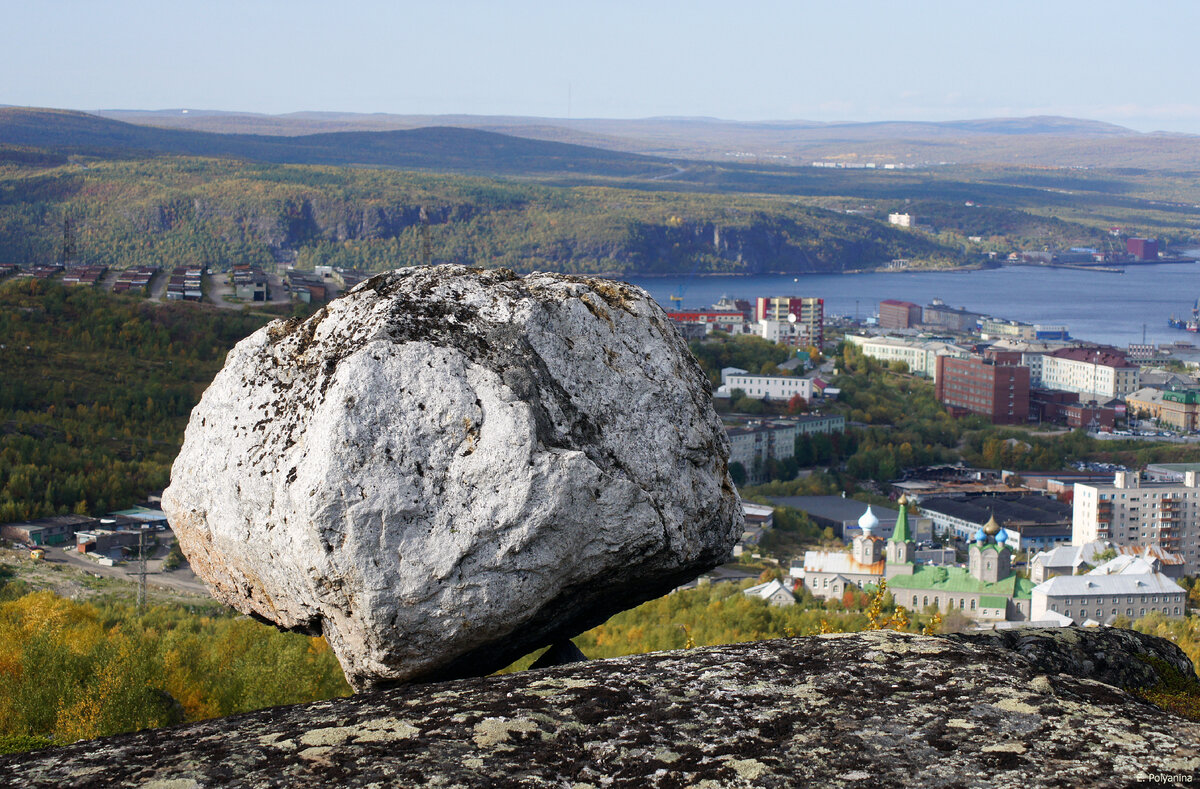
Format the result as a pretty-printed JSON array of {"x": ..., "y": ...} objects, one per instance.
[
  {"x": 816, "y": 711},
  {"x": 448, "y": 467}
]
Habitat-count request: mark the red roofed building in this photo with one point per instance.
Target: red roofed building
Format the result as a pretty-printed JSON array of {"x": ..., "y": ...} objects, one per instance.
[
  {"x": 1103, "y": 373},
  {"x": 733, "y": 322}
]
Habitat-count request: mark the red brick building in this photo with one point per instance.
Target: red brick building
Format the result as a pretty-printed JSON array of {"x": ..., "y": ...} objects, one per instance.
[
  {"x": 898, "y": 314},
  {"x": 980, "y": 386}
]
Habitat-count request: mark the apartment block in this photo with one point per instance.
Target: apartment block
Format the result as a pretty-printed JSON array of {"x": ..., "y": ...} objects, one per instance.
[
  {"x": 1130, "y": 511},
  {"x": 809, "y": 313},
  {"x": 980, "y": 386},
  {"x": 1099, "y": 372}
]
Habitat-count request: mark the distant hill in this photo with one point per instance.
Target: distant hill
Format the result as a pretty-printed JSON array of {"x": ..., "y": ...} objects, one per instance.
[
  {"x": 1036, "y": 141},
  {"x": 432, "y": 148}
]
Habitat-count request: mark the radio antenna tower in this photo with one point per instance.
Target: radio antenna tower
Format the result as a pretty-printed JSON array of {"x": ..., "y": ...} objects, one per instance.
[{"x": 68, "y": 245}]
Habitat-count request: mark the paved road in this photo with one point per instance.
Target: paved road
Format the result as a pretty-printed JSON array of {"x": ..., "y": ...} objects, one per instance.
[{"x": 183, "y": 579}]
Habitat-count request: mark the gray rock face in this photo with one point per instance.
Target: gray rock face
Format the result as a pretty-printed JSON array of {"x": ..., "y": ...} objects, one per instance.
[
  {"x": 447, "y": 468},
  {"x": 878, "y": 709}
]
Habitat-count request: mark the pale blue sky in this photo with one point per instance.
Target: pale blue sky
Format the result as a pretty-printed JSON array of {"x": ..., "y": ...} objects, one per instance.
[{"x": 1126, "y": 63}]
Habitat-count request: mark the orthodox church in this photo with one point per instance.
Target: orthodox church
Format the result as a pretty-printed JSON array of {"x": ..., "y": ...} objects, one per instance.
[{"x": 986, "y": 589}]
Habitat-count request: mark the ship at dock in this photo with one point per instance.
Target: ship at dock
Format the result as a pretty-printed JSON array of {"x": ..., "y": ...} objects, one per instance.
[{"x": 1189, "y": 325}]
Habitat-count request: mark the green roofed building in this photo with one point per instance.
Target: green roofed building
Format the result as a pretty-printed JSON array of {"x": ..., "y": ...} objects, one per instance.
[{"x": 987, "y": 590}]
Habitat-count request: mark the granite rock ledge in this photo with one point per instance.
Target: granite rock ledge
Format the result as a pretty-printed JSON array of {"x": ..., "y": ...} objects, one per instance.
[{"x": 877, "y": 709}]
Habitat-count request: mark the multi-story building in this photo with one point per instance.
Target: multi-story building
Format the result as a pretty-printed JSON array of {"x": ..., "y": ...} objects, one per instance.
[
  {"x": 920, "y": 355},
  {"x": 1179, "y": 409},
  {"x": 959, "y": 319},
  {"x": 809, "y": 313},
  {"x": 895, "y": 314},
  {"x": 760, "y": 387},
  {"x": 902, "y": 220},
  {"x": 753, "y": 444},
  {"x": 1125, "y": 586},
  {"x": 980, "y": 386},
  {"x": 1100, "y": 373},
  {"x": 1132, "y": 512}
]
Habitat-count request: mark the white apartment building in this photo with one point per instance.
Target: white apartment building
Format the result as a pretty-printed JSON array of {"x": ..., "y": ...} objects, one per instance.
[
  {"x": 1126, "y": 586},
  {"x": 1090, "y": 371},
  {"x": 772, "y": 387},
  {"x": 920, "y": 355},
  {"x": 1165, "y": 515},
  {"x": 903, "y": 220}
]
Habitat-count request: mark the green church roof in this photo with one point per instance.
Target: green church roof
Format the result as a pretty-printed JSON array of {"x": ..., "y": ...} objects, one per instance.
[
  {"x": 959, "y": 579},
  {"x": 900, "y": 533}
]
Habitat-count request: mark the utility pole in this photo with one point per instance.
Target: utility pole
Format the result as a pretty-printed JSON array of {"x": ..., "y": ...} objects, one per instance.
[{"x": 141, "y": 573}]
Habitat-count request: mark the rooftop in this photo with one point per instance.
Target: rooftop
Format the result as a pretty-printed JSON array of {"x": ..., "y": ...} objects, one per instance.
[
  {"x": 958, "y": 579},
  {"x": 835, "y": 508},
  {"x": 1014, "y": 510},
  {"x": 1068, "y": 585}
]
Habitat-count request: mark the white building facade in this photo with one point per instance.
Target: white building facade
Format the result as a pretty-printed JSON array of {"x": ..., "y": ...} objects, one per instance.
[{"x": 771, "y": 387}]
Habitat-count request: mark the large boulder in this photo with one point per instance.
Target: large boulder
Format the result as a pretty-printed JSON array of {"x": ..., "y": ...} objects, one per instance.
[{"x": 448, "y": 467}]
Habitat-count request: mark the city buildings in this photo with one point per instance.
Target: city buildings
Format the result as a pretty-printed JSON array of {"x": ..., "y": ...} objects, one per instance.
[
  {"x": 809, "y": 314},
  {"x": 1179, "y": 409},
  {"x": 1125, "y": 586},
  {"x": 957, "y": 319},
  {"x": 919, "y": 355},
  {"x": 1098, "y": 373},
  {"x": 986, "y": 590},
  {"x": 981, "y": 386},
  {"x": 895, "y": 314},
  {"x": 1033, "y": 522},
  {"x": 753, "y": 444},
  {"x": 731, "y": 322},
  {"x": 1163, "y": 515}
]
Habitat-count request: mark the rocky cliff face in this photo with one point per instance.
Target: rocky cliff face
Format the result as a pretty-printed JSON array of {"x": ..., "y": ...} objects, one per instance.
[
  {"x": 877, "y": 709},
  {"x": 448, "y": 468}
]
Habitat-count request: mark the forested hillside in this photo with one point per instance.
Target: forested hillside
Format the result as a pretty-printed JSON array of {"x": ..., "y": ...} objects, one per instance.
[
  {"x": 96, "y": 393},
  {"x": 172, "y": 211}
]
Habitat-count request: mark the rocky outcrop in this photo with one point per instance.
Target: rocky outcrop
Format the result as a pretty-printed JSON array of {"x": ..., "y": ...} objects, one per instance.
[
  {"x": 878, "y": 709},
  {"x": 448, "y": 468}
]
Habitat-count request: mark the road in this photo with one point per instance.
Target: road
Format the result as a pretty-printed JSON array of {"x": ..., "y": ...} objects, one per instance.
[{"x": 180, "y": 580}]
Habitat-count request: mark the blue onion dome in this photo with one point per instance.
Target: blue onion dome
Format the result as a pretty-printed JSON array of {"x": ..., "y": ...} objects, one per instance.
[
  {"x": 981, "y": 536},
  {"x": 1001, "y": 537}
]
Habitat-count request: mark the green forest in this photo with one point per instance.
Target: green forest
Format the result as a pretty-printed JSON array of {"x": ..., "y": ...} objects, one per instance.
[
  {"x": 75, "y": 670},
  {"x": 97, "y": 391}
]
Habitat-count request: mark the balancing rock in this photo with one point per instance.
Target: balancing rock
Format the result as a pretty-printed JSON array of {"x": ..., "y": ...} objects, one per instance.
[{"x": 449, "y": 467}]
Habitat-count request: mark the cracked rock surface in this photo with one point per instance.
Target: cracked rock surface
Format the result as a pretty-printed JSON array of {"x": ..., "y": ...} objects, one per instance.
[
  {"x": 879, "y": 709},
  {"x": 447, "y": 468}
]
